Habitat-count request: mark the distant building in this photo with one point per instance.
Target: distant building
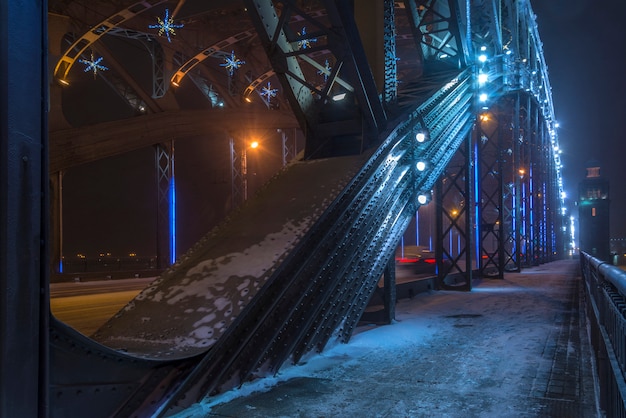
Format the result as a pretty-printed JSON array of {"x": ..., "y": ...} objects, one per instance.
[
  {"x": 618, "y": 248},
  {"x": 593, "y": 214}
]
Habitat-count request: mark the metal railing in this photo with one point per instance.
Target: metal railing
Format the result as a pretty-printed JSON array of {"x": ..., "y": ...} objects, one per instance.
[{"x": 605, "y": 287}]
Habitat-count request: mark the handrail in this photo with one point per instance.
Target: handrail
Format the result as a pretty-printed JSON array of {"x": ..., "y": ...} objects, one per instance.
[
  {"x": 605, "y": 286},
  {"x": 612, "y": 274}
]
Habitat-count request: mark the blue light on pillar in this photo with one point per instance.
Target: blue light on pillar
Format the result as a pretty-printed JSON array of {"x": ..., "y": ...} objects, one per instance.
[
  {"x": 476, "y": 204},
  {"x": 172, "y": 220},
  {"x": 417, "y": 229}
]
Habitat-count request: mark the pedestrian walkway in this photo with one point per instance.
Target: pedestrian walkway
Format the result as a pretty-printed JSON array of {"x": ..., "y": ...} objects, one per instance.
[{"x": 516, "y": 347}]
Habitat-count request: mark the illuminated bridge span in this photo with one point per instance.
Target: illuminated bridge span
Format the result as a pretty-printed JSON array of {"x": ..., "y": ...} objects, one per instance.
[{"x": 454, "y": 106}]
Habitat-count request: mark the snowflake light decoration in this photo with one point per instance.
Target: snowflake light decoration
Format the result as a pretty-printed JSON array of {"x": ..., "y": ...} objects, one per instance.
[
  {"x": 93, "y": 65},
  {"x": 326, "y": 71},
  {"x": 268, "y": 92},
  {"x": 305, "y": 43},
  {"x": 166, "y": 25},
  {"x": 232, "y": 63}
]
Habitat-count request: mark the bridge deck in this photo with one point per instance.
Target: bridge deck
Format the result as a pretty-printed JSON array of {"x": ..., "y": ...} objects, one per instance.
[{"x": 516, "y": 347}]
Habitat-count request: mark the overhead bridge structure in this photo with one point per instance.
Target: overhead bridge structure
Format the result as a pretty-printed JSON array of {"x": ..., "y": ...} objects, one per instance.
[{"x": 441, "y": 102}]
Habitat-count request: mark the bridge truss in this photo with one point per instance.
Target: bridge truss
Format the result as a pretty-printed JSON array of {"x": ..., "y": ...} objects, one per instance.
[{"x": 479, "y": 95}]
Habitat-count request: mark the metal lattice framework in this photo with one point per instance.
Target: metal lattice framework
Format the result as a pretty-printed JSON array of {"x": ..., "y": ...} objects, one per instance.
[
  {"x": 454, "y": 221},
  {"x": 330, "y": 128},
  {"x": 239, "y": 172},
  {"x": 436, "y": 26},
  {"x": 321, "y": 286}
]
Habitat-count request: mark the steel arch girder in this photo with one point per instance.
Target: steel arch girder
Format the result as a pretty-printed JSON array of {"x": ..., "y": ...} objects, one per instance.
[
  {"x": 311, "y": 102},
  {"x": 70, "y": 56}
]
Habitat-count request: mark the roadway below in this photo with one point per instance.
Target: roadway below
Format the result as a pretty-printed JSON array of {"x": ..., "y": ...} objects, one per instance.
[{"x": 86, "y": 306}]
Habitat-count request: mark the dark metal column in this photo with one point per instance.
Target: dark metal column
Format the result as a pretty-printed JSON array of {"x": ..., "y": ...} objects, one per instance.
[
  {"x": 520, "y": 171},
  {"x": 533, "y": 185},
  {"x": 454, "y": 221},
  {"x": 56, "y": 222},
  {"x": 238, "y": 173},
  {"x": 389, "y": 277},
  {"x": 288, "y": 146},
  {"x": 24, "y": 210},
  {"x": 525, "y": 188},
  {"x": 164, "y": 182},
  {"x": 503, "y": 192},
  {"x": 513, "y": 174},
  {"x": 490, "y": 196},
  {"x": 537, "y": 226}
]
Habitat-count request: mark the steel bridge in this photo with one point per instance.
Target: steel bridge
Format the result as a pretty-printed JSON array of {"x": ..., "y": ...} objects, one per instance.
[{"x": 400, "y": 103}]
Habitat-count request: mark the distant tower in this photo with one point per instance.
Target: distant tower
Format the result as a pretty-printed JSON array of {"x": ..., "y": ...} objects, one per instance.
[{"x": 593, "y": 213}]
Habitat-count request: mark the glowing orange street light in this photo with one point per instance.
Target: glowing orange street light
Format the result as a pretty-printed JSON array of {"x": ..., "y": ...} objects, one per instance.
[{"x": 254, "y": 144}]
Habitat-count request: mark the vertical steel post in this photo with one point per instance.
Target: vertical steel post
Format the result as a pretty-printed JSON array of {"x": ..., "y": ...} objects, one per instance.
[
  {"x": 519, "y": 216},
  {"x": 530, "y": 166},
  {"x": 56, "y": 222},
  {"x": 438, "y": 234},
  {"x": 285, "y": 146},
  {"x": 164, "y": 177},
  {"x": 476, "y": 198},
  {"x": 172, "y": 207},
  {"x": 537, "y": 183},
  {"x": 502, "y": 232},
  {"x": 490, "y": 191},
  {"x": 389, "y": 278},
  {"x": 24, "y": 210},
  {"x": 533, "y": 179},
  {"x": 469, "y": 208},
  {"x": 159, "y": 84},
  {"x": 455, "y": 203},
  {"x": 234, "y": 173},
  {"x": 244, "y": 170},
  {"x": 238, "y": 172},
  {"x": 289, "y": 150}
]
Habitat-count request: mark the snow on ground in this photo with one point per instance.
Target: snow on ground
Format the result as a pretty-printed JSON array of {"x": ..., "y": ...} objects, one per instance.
[
  {"x": 482, "y": 353},
  {"x": 367, "y": 341}
]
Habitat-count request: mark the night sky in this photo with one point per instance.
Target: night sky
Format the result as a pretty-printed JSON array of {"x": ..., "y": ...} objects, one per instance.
[{"x": 585, "y": 48}]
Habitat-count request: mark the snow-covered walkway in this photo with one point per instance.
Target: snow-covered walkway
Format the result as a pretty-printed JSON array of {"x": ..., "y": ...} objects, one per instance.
[{"x": 510, "y": 348}]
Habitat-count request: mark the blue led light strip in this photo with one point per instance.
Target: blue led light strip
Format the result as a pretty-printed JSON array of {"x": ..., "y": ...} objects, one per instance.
[
  {"x": 476, "y": 204},
  {"x": 172, "y": 219},
  {"x": 172, "y": 199}
]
